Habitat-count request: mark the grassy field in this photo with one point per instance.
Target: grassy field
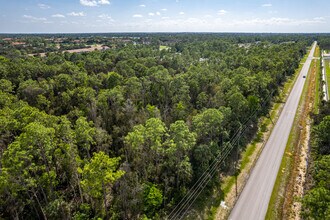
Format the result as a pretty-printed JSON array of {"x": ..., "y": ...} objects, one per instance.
[
  {"x": 317, "y": 52},
  {"x": 327, "y": 68},
  {"x": 318, "y": 88},
  {"x": 162, "y": 47}
]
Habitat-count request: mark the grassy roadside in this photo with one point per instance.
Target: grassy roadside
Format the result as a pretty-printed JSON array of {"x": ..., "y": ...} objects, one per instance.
[
  {"x": 282, "y": 190},
  {"x": 253, "y": 150},
  {"x": 264, "y": 126},
  {"x": 318, "y": 88}
]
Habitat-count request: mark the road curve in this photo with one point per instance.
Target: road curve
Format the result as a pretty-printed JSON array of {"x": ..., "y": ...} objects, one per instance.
[{"x": 253, "y": 201}]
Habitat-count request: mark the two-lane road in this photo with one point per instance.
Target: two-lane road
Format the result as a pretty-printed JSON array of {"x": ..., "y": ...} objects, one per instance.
[{"x": 253, "y": 201}]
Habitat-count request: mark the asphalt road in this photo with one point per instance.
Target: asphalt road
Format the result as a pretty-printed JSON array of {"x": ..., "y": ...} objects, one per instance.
[{"x": 253, "y": 201}]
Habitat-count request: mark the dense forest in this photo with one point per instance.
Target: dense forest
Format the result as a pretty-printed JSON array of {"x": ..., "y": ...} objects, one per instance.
[
  {"x": 124, "y": 133},
  {"x": 316, "y": 201}
]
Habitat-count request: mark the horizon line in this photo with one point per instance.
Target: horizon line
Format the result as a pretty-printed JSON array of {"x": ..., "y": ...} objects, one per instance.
[{"x": 164, "y": 32}]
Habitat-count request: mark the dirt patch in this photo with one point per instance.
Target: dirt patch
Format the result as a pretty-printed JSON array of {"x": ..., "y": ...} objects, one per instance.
[
  {"x": 81, "y": 50},
  {"x": 298, "y": 190},
  {"x": 295, "y": 188},
  {"x": 224, "y": 210}
]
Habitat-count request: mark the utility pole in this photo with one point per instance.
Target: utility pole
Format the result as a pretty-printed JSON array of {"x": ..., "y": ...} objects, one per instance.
[
  {"x": 236, "y": 162},
  {"x": 270, "y": 118}
]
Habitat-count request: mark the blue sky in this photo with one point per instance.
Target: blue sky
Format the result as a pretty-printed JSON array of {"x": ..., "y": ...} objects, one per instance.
[{"x": 72, "y": 16}]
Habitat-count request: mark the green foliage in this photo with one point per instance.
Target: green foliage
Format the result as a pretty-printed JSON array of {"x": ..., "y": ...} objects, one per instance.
[
  {"x": 153, "y": 199},
  {"x": 97, "y": 178},
  {"x": 113, "y": 79},
  {"x": 27, "y": 164},
  {"x": 208, "y": 125},
  {"x": 164, "y": 153},
  {"x": 149, "y": 136},
  {"x": 6, "y": 85},
  {"x": 84, "y": 132},
  {"x": 316, "y": 202},
  {"x": 167, "y": 113},
  {"x": 322, "y": 137},
  {"x": 99, "y": 173}
]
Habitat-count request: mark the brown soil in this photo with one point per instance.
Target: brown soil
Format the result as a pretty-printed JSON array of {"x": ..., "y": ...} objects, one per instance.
[
  {"x": 242, "y": 178},
  {"x": 81, "y": 50},
  {"x": 295, "y": 188}
]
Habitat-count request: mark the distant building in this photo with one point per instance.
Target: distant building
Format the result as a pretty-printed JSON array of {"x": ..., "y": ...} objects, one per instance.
[
  {"x": 17, "y": 43},
  {"x": 105, "y": 48},
  {"x": 326, "y": 56},
  {"x": 203, "y": 59}
]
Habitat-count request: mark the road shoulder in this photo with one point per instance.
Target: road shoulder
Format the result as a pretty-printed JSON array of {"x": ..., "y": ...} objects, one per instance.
[
  {"x": 254, "y": 149},
  {"x": 288, "y": 188}
]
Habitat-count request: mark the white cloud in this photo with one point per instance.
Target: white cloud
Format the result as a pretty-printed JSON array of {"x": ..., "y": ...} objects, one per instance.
[
  {"x": 58, "y": 16},
  {"x": 267, "y": 5},
  {"x": 88, "y": 3},
  {"x": 164, "y": 9},
  {"x": 165, "y": 23},
  {"x": 43, "y": 6},
  {"x": 181, "y": 13},
  {"x": 93, "y": 3},
  {"x": 77, "y": 14},
  {"x": 154, "y": 13},
  {"x": 272, "y": 12},
  {"x": 104, "y": 2},
  {"x": 279, "y": 21},
  {"x": 222, "y": 12},
  {"x": 220, "y": 23},
  {"x": 106, "y": 17},
  {"x": 319, "y": 18},
  {"x": 34, "y": 19},
  {"x": 137, "y": 16},
  {"x": 28, "y": 16},
  {"x": 142, "y": 6}
]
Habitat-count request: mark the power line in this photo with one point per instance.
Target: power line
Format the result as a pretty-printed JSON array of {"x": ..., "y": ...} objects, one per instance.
[
  {"x": 183, "y": 206},
  {"x": 202, "y": 182},
  {"x": 201, "y": 179}
]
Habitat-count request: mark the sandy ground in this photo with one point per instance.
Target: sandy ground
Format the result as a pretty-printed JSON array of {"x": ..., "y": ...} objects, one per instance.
[
  {"x": 224, "y": 210},
  {"x": 92, "y": 48},
  {"x": 230, "y": 200},
  {"x": 301, "y": 177},
  {"x": 292, "y": 206}
]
